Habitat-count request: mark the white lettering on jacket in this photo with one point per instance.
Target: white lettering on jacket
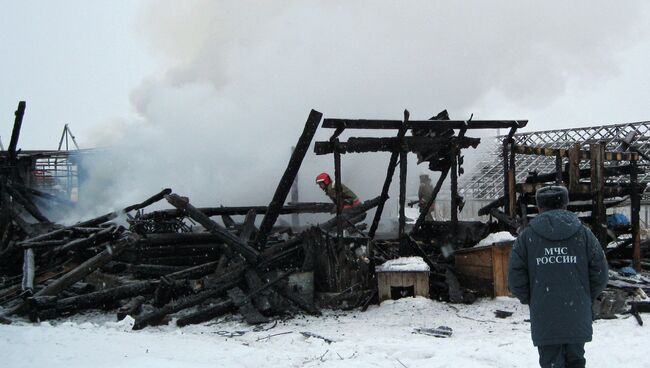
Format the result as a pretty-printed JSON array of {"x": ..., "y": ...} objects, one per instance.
[{"x": 556, "y": 255}]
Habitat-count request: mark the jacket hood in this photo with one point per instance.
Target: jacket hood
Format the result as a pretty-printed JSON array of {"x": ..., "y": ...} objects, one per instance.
[{"x": 556, "y": 224}]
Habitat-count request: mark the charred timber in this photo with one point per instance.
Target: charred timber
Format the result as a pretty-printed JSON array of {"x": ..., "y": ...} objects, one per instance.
[
  {"x": 231, "y": 241},
  {"x": 15, "y": 133},
  {"x": 392, "y": 164},
  {"x": 98, "y": 220},
  {"x": 99, "y": 299},
  {"x": 392, "y": 144},
  {"x": 131, "y": 308},
  {"x": 432, "y": 125},
  {"x": 241, "y": 211},
  {"x": 228, "y": 280},
  {"x": 286, "y": 182}
]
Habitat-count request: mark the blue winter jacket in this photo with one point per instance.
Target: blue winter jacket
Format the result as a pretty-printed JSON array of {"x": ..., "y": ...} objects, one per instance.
[{"x": 558, "y": 267}]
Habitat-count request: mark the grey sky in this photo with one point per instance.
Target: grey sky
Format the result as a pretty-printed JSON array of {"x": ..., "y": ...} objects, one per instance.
[
  {"x": 73, "y": 61},
  {"x": 207, "y": 96}
]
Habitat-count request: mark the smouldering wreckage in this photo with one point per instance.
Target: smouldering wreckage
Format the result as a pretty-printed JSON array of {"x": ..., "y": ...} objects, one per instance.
[{"x": 160, "y": 266}]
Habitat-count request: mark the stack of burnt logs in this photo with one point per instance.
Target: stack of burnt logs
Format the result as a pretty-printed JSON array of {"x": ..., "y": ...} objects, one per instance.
[
  {"x": 178, "y": 262},
  {"x": 150, "y": 276}
]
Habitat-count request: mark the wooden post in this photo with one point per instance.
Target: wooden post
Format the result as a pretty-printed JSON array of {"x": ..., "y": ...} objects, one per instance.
[
  {"x": 574, "y": 167},
  {"x": 402, "y": 199},
  {"x": 454, "y": 187},
  {"x": 15, "y": 133},
  {"x": 506, "y": 179},
  {"x": 558, "y": 169},
  {"x": 635, "y": 207},
  {"x": 512, "y": 205},
  {"x": 403, "y": 157},
  {"x": 290, "y": 173},
  {"x": 598, "y": 214},
  {"x": 338, "y": 189}
]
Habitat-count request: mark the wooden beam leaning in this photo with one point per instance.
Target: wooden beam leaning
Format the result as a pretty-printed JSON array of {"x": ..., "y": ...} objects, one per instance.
[
  {"x": 422, "y": 124},
  {"x": 15, "y": 133},
  {"x": 231, "y": 241},
  {"x": 384, "y": 191},
  {"x": 339, "y": 195},
  {"x": 288, "y": 177}
]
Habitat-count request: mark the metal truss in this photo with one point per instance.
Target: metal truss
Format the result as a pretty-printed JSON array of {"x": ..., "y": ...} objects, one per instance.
[{"x": 486, "y": 181}]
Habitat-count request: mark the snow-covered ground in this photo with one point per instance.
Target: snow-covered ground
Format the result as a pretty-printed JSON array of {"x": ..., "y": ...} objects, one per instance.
[{"x": 380, "y": 337}]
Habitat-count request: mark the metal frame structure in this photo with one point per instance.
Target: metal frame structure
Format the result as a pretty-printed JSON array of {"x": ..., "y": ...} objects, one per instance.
[{"x": 486, "y": 180}]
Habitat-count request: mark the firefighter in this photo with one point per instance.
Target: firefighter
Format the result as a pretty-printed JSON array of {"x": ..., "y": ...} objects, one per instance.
[
  {"x": 425, "y": 192},
  {"x": 348, "y": 198}
]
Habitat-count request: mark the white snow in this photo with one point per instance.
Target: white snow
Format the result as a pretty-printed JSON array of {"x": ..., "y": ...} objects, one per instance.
[
  {"x": 381, "y": 337},
  {"x": 403, "y": 264},
  {"x": 501, "y": 236}
]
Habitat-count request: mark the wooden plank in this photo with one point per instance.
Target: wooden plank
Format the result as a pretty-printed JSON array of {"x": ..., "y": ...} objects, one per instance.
[
  {"x": 500, "y": 255},
  {"x": 383, "y": 283},
  {"x": 422, "y": 284},
  {"x": 481, "y": 272},
  {"x": 422, "y": 124}
]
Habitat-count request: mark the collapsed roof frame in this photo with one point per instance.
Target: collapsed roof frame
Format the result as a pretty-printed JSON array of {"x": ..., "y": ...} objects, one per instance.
[{"x": 436, "y": 134}]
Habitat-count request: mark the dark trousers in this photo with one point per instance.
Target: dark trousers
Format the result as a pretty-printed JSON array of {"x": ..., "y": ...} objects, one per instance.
[{"x": 561, "y": 356}]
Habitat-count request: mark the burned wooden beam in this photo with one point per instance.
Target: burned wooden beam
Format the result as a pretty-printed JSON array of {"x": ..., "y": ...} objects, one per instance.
[
  {"x": 127, "y": 239},
  {"x": 392, "y": 164},
  {"x": 292, "y": 208},
  {"x": 131, "y": 308},
  {"x": 392, "y": 144},
  {"x": 288, "y": 177},
  {"x": 249, "y": 226},
  {"x": 98, "y": 220},
  {"x": 207, "y": 314},
  {"x": 98, "y": 299},
  {"x": 82, "y": 270},
  {"x": 598, "y": 212},
  {"x": 225, "y": 282},
  {"x": 231, "y": 241},
  {"x": 338, "y": 188},
  {"x": 15, "y": 133},
  {"x": 422, "y": 124}
]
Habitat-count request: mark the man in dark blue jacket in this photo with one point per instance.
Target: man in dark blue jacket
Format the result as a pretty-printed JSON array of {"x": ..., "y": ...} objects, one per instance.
[{"x": 558, "y": 268}]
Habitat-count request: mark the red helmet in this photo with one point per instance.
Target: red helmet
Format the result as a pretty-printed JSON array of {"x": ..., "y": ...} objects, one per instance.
[{"x": 323, "y": 177}]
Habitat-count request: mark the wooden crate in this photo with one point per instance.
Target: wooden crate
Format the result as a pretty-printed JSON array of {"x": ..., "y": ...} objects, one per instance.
[
  {"x": 387, "y": 281},
  {"x": 485, "y": 269}
]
